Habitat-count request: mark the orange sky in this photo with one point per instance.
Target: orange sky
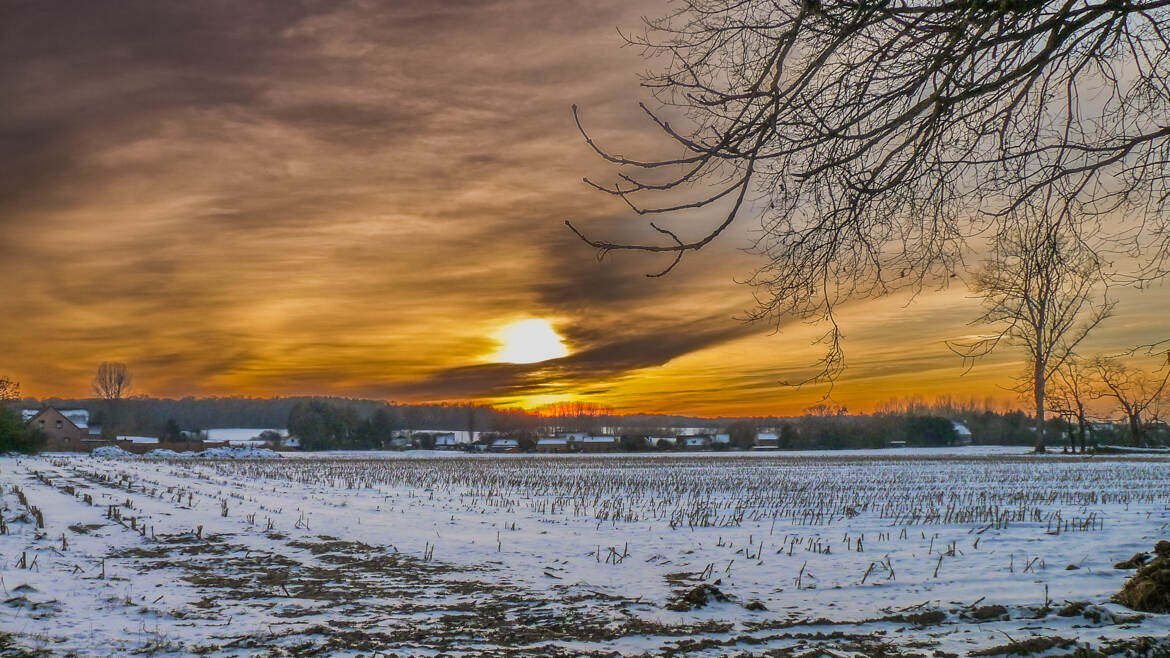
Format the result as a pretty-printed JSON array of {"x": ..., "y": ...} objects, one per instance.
[{"x": 275, "y": 198}]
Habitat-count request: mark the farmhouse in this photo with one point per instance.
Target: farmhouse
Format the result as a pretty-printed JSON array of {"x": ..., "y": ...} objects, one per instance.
[
  {"x": 552, "y": 445},
  {"x": 722, "y": 439},
  {"x": 598, "y": 443},
  {"x": 767, "y": 440},
  {"x": 446, "y": 441},
  {"x": 695, "y": 442},
  {"x": 65, "y": 429}
]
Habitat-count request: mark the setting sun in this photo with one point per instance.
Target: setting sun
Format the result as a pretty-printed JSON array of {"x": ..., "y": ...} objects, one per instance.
[{"x": 529, "y": 341}]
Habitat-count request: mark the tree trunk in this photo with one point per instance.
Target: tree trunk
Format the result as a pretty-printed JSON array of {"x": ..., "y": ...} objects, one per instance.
[
  {"x": 1038, "y": 391},
  {"x": 1081, "y": 423},
  {"x": 1135, "y": 430},
  {"x": 1082, "y": 430}
]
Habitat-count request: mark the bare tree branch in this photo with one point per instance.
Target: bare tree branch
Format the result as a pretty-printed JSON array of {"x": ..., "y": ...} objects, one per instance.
[{"x": 873, "y": 140}]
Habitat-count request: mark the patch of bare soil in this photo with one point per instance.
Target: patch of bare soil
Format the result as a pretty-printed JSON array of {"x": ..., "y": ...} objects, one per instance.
[
  {"x": 349, "y": 596},
  {"x": 1028, "y": 647},
  {"x": 1149, "y": 589}
]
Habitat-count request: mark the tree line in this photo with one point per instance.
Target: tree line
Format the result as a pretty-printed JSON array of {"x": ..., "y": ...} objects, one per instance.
[
  {"x": 15, "y": 434},
  {"x": 1137, "y": 389}
]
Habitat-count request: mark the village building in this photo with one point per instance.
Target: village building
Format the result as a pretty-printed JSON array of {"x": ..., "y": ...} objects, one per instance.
[
  {"x": 446, "y": 441},
  {"x": 504, "y": 445},
  {"x": 695, "y": 442},
  {"x": 66, "y": 430},
  {"x": 964, "y": 434},
  {"x": 767, "y": 440},
  {"x": 605, "y": 443},
  {"x": 69, "y": 430},
  {"x": 553, "y": 445}
]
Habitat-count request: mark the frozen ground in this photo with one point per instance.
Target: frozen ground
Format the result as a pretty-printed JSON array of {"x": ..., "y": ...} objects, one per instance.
[{"x": 844, "y": 554}]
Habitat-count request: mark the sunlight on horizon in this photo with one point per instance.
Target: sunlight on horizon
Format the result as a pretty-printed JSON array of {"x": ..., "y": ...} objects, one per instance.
[{"x": 529, "y": 341}]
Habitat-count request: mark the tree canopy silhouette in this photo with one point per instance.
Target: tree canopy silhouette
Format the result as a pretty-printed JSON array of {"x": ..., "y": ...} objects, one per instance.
[{"x": 873, "y": 139}]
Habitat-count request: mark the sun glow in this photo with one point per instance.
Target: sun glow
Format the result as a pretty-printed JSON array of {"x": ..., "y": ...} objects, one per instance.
[{"x": 529, "y": 341}]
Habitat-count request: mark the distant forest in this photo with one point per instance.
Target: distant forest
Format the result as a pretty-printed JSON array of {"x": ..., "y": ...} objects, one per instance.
[{"x": 821, "y": 426}]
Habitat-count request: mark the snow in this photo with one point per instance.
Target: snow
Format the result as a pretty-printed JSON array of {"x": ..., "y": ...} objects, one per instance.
[
  {"x": 231, "y": 452},
  {"x": 166, "y": 454},
  {"x": 110, "y": 452},
  {"x": 1132, "y": 449},
  {"x": 237, "y": 453},
  {"x": 139, "y": 439},
  {"x": 79, "y": 417},
  {"x": 572, "y": 554},
  {"x": 231, "y": 434}
]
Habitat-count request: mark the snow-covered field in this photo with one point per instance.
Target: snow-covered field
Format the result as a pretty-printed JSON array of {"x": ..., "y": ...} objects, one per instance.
[{"x": 874, "y": 553}]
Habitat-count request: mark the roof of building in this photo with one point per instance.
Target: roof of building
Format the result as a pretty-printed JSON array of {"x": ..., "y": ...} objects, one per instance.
[
  {"x": 599, "y": 439},
  {"x": 552, "y": 441},
  {"x": 79, "y": 417},
  {"x": 766, "y": 436},
  {"x": 505, "y": 442}
]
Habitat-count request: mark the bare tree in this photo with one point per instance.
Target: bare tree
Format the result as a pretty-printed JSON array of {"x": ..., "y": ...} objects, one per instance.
[
  {"x": 871, "y": 139},
  {"x": 1044, "y": 290},
  {"x": 1136, "y": 390},
  {"x": 1070, "y": 390},
  {"x": 112, "y": 381},
  {"x": 9, "y": 389}
]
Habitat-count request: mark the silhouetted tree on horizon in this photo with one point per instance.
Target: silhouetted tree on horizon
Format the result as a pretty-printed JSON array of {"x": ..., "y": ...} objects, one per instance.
[{"x": 1042, "y": 289}]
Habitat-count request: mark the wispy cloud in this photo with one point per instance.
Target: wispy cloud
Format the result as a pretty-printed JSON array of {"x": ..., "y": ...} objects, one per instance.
[{"x": 303, "y": 197}]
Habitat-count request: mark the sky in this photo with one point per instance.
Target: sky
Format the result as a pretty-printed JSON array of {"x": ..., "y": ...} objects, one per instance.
[{"x": 360, "y": 198}]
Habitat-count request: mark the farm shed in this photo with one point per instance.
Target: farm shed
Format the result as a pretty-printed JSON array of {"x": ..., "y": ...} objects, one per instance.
[
  {"x": 767, "y": 440},
  {"x": 603, "y": 443},
  {"x": 504, "y": 445},
  {"x": 552, "y": 445}
]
